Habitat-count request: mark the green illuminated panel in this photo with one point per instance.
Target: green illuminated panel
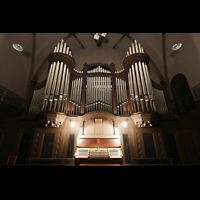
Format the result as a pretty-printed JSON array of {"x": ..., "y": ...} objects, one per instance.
[
  {"x": 83, "y": 150},
  {"x": 113, "y": 150}
]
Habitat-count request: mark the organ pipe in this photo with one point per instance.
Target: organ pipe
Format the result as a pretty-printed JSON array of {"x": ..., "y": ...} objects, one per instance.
[
  {"x": 62, "y": 88},
  {"x": 121, "y": 94},
  {"x": 75, "y": 97},
  {"x": 99, "y": 91},
  {"x": 56, "y": 89},
  {"x": 140, "y": 86}
]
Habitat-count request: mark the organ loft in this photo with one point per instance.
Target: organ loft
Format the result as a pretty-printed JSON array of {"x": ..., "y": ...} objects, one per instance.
[{"x": 98, "y": 115}]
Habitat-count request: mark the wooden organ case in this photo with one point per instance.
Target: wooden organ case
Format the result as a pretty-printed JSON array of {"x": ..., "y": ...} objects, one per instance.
[{"x": 98, "y": 150}]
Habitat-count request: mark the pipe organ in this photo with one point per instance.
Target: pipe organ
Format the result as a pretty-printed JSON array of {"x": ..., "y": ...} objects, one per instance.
[
  {"x": 100, "y": 88},
  {"x": 98, "y": 99}
]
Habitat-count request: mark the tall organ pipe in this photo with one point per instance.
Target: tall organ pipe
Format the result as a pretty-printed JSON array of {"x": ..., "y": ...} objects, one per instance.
[
  {"x": 56, "y": 89},
  {"x": 98, "y": 91},
  {"x": 140, "y": 87},
  {"x": 61, "y": 88}
]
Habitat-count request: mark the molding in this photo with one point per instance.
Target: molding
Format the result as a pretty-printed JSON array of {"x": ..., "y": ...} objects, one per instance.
[
  {"x": 129, "y": 60},
  {"x": 62, "y": 57},
  {"x": 98, "y": 114},
  {"x": 98, "y": 136}
]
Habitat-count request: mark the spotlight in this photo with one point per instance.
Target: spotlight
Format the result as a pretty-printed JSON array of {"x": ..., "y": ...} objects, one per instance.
[
  {"x": 124, "y": 124},
  {"x": 98, "y": 35},
  {"x": 17, "y": 47},
  {"x": 72, "y": 124},
  {"x": 176, "y": 46},
  {"x": 103, "y": 34}
]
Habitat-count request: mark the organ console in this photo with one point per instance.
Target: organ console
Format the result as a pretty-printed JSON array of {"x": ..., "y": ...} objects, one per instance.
[{"x": 98, "y": 150}]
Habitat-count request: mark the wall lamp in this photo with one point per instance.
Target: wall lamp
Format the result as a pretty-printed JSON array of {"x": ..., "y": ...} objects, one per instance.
[
  {"x": 124, "y": 124},
  {"x": 72, "y": 124}
]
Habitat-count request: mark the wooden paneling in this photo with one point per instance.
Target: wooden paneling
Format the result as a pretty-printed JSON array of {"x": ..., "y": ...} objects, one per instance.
[{"x": 88, "y": 142}]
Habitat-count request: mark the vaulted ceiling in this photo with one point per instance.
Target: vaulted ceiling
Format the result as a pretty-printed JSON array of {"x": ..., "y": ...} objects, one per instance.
[{"x": 19, "y": 68}]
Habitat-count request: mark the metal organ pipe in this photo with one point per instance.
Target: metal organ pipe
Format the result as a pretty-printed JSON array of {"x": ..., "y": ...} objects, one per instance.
[
  {"x": 57, "y": 84},
  {"x": 52, "y": 91},
  {"x": 98, "y": 91},
  {"x": 103, "y": 90},
  {"x": 64, "y": 48},
  {"x": 62, "y": 88},
  {"x": 101, "y": 99},
  {"x": 121, "y": 95},
  {"x": 136, "y": 47},
  {"x": 79, "y": 99},
  {"x": 109, "y": 94},
  {"x": 132, "y": 92},
  {"x": 135, "y": 88},
  {"x": 140, "y": 87},
  {"x": 65, "y": 90},
  {"x": 133, "y": 48},
  {"x": 47, "y": 88},
  {"x": 124, "y": 96},
  {"x": 64, "y": 94}
]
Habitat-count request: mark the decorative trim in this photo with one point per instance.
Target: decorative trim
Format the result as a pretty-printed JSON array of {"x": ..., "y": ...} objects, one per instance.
[
  {"x": 62, "y": 57},
  {"x": 128, "y": 61}
]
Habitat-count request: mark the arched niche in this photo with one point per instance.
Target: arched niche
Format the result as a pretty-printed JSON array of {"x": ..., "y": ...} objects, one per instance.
[
  {"x": 183, "y": 98},
  {"x": 98, "y": 123}
]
